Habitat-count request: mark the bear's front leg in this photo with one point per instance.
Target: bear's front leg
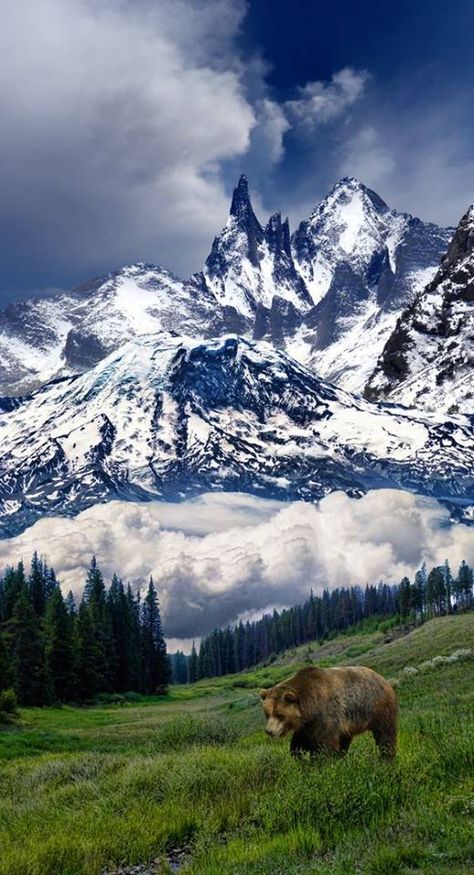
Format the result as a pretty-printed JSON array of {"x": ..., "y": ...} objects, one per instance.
[{"x": 300, "y": 743}]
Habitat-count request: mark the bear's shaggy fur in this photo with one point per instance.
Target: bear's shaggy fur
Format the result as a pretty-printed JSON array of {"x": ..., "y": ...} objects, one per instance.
[{"x": 326, "y": 707}]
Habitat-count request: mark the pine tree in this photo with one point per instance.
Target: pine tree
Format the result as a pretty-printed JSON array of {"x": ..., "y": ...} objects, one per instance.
[
  {"x": 71, "y": 604},
  {"x": 179, "y": 667},
  {"x": 228, "y": 660},
  {"x": 435, "y": 591},
  {"x": 27, "y": 652},
  {"x": 239, "y": 654},
  {"x": 14, "y": 583},
  {"x": 37, "y": 585},
  {"x": 59, "y": 653},
  {"x": 404, "y": 599},
  {"x": 463, "y": 586},
  {"x": 51, "y": 583},
  {"x": 193, "y": 666},
  {"x": 204, "y": 662},
  {"x": 94, "y": 589},
  {"x": 156, "y": 670},
  {"x": 6, "y": 676},
  {"x": 135, "y": 668},
  {"x": 448, "y": 584},
  {"x": 418, "y": 595},
  {"x": 94, "y": 598},
  {"x": 122, "y": 631},
  {"x": 88, "y": 657},
  {"x": 110, "y": 651}
]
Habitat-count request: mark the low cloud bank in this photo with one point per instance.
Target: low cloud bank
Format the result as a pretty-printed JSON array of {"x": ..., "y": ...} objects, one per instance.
[{"x": 222, "y": 556}]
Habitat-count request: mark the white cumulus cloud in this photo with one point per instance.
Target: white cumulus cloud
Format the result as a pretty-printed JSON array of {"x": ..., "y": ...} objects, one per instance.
[
  {"x": 320, "y": 102},
  {"x": 219, "y": 557},
  {"x": 267, "y": 138}
]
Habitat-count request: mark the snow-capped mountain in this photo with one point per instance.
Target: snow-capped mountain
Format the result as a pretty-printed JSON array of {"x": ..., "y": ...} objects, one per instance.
[
  {"x": 363, "y": 263},
  {"x": 428, "y": 360},
  {"x": 330, "y": 295},
  {"x": 45, "y": 338},
  {"x": 168, "y": 417}
]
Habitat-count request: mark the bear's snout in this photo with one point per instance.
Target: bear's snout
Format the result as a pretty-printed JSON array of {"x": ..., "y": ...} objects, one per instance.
[{"x": 276, "y": 728}]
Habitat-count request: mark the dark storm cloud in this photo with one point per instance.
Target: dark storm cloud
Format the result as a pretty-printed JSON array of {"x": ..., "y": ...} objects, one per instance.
[
  {"x": 125, "y": 124},
  {"x": 115, "y": 119}
]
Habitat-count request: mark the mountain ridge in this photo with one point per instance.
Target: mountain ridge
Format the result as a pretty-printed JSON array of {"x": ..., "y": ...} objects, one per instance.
[{"x": 255, "y": 282}]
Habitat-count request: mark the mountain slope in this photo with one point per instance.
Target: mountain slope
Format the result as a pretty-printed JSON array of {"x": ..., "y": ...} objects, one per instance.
[
  {"x": 428, "y": 360},
  {"x": 169, "y": 417},
  {"x": 347, "y": 271}
]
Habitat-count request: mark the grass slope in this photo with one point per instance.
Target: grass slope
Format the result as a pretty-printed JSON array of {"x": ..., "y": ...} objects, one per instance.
[{"x": 83, "y": 790}]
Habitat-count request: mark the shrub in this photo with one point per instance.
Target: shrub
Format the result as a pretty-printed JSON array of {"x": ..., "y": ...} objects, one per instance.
[
  {"x": 461, "y": 655},
  {"x": 8, "y": 706},
  {"x": 110, "y": 699},
  {"x": 132, "y": 697},
  {"x": 386, "y": 625}
]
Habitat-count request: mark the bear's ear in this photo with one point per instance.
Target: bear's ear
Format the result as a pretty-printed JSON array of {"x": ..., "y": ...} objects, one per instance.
[
  {"x": 264, "y": 694},
  {"x": 290, "y": 696}
]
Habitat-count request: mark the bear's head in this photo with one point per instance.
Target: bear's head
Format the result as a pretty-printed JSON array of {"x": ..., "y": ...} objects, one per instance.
[{"x": 282, "y": 710}]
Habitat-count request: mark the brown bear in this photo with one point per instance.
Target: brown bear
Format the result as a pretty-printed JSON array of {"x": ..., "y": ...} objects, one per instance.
[{"x": 326, "y": 707}]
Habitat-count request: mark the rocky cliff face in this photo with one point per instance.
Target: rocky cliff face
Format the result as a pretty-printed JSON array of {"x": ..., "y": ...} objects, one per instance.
[{"x": 428, "y": 359}]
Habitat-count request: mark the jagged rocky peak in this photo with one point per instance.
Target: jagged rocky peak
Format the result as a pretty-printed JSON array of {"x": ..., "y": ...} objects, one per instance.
[
  {"x": 428, "y": 359},
  {"x": 249, "y": 265},
  {"x": 347, "y": 189},
  {"x": 241, "y": 235},
  {"x": 349, "y": 210},
  {"x": 353, "y": 226},
  {"x": 241, "y": 206}
]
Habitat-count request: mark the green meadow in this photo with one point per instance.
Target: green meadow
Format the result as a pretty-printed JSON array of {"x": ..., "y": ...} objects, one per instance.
[{"x": 191, "y": 781}]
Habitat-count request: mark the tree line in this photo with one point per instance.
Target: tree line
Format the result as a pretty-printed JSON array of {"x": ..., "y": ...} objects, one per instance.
[
  {"x": 225, "y": 651},
  {"x": 52, "y": 651}
]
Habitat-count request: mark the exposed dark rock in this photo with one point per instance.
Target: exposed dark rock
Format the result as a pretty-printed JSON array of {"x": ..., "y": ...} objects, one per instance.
[
  {"x": 82, "y": 350},
  {"x": 432, "y": 344}
]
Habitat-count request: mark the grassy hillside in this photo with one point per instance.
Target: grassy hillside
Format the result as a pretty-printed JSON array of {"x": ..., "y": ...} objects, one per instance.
[{"x": 191, "y": 782}]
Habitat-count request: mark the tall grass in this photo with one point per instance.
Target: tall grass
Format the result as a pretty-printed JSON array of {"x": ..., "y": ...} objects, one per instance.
[{"x": 129, "y": 785}]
